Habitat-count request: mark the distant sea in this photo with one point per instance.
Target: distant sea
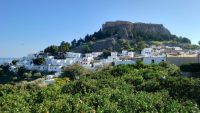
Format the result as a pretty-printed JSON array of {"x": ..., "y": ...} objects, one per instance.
[{"x": 5, "y": 60}]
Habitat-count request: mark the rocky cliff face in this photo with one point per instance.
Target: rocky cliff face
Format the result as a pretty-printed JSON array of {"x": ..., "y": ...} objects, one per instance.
[{"x": 125, "y": 29}]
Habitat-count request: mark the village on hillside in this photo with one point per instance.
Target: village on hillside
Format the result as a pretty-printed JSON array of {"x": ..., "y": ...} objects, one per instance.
[{"x": 154, "y": 54}]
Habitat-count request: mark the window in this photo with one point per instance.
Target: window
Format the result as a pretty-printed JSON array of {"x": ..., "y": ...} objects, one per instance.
[{"x": 152, "y": 61}]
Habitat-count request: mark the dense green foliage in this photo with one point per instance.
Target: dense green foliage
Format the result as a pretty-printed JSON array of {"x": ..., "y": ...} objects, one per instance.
[
  {"x": 105, "y": 54},
  {"x": 135, "y": 36},
  {"x": 58, "y": 51},
  {"x": 74, "y": 71},
  {"x": 39, "y": 61},
  {"x": 124, "y": 88},
  {"x": 14, "y": 62},
  {"x": 21, "y": 74},
  {"x": 52, "y": 50}
]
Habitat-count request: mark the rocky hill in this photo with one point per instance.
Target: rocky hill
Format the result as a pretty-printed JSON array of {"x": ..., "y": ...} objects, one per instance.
[
  {"x": 125, "y": 28},
  {"x": 118, "y": 35}
]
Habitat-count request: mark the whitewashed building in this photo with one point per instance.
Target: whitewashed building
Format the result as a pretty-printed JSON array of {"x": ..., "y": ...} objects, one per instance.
[
  {"x": 110, "y": 59},
  {"x": 89, "y": 55},
  {"x": 62, "y": 62},
  {"x": 147, "y": 51},
  {"x": 114, "y": 54},
  {"x": 174, "y": 48},
  {"x": 125, "y": 53},
  {"x": 124, "y": 62},
  {"x": 49, "y": 77},
  {"x": 86, "y": 62},
  {"x": 54, "y": 68},
  {"x": 96, "y": 54},
  {"x": 73, "y": 55},
  {"x": 131, "y": 54},
  {"x": 98, "y": 65},
  {"x": 48, "y": 68},
  {"x": 154, "y": 59}
]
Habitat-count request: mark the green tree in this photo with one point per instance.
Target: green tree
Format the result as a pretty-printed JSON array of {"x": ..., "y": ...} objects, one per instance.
[
  {"x": 1, "y": 71},
  {"x": 27, "y": 75},
  {"x": 37, "y": 75},
  {"x": 39, "y": 61},
  {"x": 52, "y": 50},
  {"x": 86, "y": 49},
  {"x": 64, "y": 47},
  {"x": 105, "y": 53},
  {"x": 73, "y": 43},
  {"x": 74, "y": 71},
  {"x": 126, "y": 45},
  {"x": 141, "y": 45},
  {"x": 14, "y": 62},
  {"x": 80, "y": 41},
  {"x": 185, "y": 40}
]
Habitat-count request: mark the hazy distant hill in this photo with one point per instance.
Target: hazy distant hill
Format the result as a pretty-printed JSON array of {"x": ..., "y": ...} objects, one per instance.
[{"x": 119, "y": 35}]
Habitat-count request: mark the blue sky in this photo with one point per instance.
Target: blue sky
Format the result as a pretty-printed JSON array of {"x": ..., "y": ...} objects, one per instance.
[{"x": 28, "y": 26}]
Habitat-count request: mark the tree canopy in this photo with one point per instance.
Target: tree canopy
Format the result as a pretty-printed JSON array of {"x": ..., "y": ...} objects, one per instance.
[
  {"x": 123, "y": 88},
  {"x": 58, "y": 51},
  {"x": 39, "y": 61}
]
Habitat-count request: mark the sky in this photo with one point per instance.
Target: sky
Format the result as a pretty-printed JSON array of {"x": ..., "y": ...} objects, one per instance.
[{"x": 28, "y": 26}]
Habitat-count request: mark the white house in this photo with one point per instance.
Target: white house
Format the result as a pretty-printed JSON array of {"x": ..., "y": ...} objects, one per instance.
[
  {"x": 110, "y": 59},
  {"x": 98, "y": 65},
  {"x": 62, "y": 62},
  {"x": 147, "y": 51},
  {"x": 124, "y": 52},
  {"x": 34, "y": 67},
  {"x": 49, "y": 68},
  {"x": 88, "y": 55},
  {"x": 131, "y": 54},
  {"x": 54, "y": 68},
  {"x": 93, "y": 54},
  {"x": 175, "y": 48},
  {"x": 113, "y": 58},
  {"x": 49, "y": 77},
  {"x": 73, "y": 55},
  {"x": 178, "y": 48},
  {"x": 96, "y": 54},
  {"x": 86, "y": 62},
  {"x": 43, "y": 68},
  {"x": 70, "y": 61},
  {"x": 124, "y": 62},
  {"x": 114, "y": 53},
  {"x": 154, "y": 59}
]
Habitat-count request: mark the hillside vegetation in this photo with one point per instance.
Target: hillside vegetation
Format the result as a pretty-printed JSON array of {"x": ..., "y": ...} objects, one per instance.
[
  {"x": 120, "y": 35},
  {"x": 121, "y": 89}
]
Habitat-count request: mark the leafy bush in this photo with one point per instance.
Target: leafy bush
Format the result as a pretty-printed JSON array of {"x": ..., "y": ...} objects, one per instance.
[
  {"x": 123, "y": 88},
  {"x": 75, "y": 71}
]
